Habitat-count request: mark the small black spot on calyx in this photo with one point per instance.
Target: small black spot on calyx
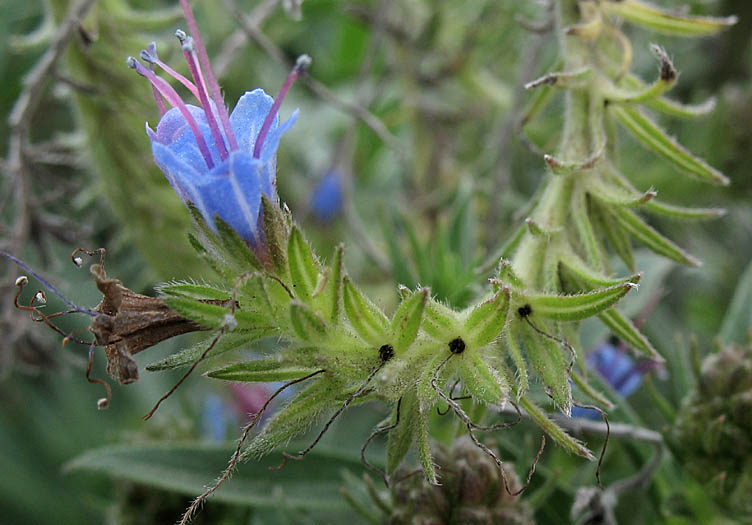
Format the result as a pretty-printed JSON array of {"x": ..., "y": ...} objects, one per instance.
[
  {"x": 386, "y": 352},
  {"x": 524, "y": 310},
  {"x": 457, "y": 345}
]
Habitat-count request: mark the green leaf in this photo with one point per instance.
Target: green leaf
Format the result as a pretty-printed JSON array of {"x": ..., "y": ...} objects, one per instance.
[
  {"x": 260, "y": 370},
  {"x": 623, "y": 328},
  {"x": 580, "y": 216},
  {"x": 579, "y": 306},
  {"x": 365, "y": 317},
  {"x": 512, "y": 345},
  {"x": 653, "y": 137},
  {"x": 482, "y": 383},
  {"x": 680, "y": 212},
  {"x": 205, "y": 314},
  {"x": 304, "y": 271},
  {"x": 738, "y": 320},
  {"x": 236, "y": 249},
  {"x": 616, "y": 235},
  {"x": 487, "y": 320},
  {"x": 229, "y": 341},
  {"x": 617, "y": 196},
  {"x": 188, "y": 467},
  {"x": 671, "y": 107},
  {"x": 439, "y": 321},
  {"x": 590, "y": 391},
  {"x": 652, "y": 239},
  {"x": 506, "y": 274},
  {"x": 275, "y": 233},
  {"x": 329, "y": 296},
  {"x": 558, "y": 434},
  {"x": 547, "y": 360},
  {"x": 574, "y": 270},
  {"x": 296, "y": 417},
  {"x": 666, "y": 80},
  {"x": 664, "y": 21},
  {"x": 193, "y": 291},
  {"x": 401, "y": 436},
  {"x": 306, "y": 322},
  {"x": 423, "y": 442},
  {"x": 406, "y": 321}
]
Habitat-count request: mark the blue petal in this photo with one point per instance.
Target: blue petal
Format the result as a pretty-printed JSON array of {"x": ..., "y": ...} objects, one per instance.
[
  {"x": 271, "y": 143},
  {"x": 249, "y": 115}
]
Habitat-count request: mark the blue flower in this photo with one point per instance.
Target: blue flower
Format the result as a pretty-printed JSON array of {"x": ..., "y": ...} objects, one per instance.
[
  {"x": 232, "y": 188},
  {"x": 617, "y": 369},
  {"x": 326, "y": 199},
  {"x": 221, "y": 163}
]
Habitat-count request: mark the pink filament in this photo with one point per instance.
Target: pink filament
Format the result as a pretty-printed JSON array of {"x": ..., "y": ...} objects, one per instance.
[
  {"x": 174, "y": 99},
  {"x": 193, "y": 65},
  {"x": 180, "y": 78},
  {"x": 210, "y": 78},
  {"x": 157, "y": 97},
  {"x": 273, "y": 111}
]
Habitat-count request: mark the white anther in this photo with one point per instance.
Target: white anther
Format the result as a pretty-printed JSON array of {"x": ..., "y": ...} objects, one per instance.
[
  {"x": 103, "y": 403},
  {"x": 22, "y": 281},
  {"x": 41, "y": 297},
  {"x": 78, "y": 261}
]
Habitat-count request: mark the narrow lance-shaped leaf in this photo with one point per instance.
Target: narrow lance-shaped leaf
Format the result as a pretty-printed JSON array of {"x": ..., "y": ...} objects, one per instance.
[
  {"x": 407, "y": 318},
  {"x": 422, "y": 437},
  {"x": 577, "y": 307},
  {"x": 235, "y": 249},
  {"x": 590, "y": 391},
  {"x": 367, "y": 319},
  {"x": 618, "y": 196},
  {"x": 628, "y": 332},
  {"x": 670, "y": 107},
  {"x": 666, "y": 22},
  {"x": 229, "y": 341},
  {"x": 513, "y": 346},
  {"x": 193, "y": 291},
  {"x": 439, "y": 321},
  {"x": 653, "y": 137},
  {"x": 548, "y": 361},
  {"x": 306, "y": 323},
  {"x": 480, "y": 380},
  {"x": 260, "y": 370},
  {"x": 574, "y": 270},
  {"x": 275, "y": 233},
  {"x": 401, "y": 436},
  {"x": 205, "y": 314},
  {"x": 506, "y": 275},
  {"x": 615, "y": 234},
  {"x": 682, "y": 213},
  {"x": 487, "y": 320},
  {"x": 666, "y": 80},
  {"x": 303, "y": 269},
  {"x": 652, "y": 239},
  {"x": 581, "y": 217},
  {"x": 569, "y": 443},
  {"x": 328, "y": 295}
]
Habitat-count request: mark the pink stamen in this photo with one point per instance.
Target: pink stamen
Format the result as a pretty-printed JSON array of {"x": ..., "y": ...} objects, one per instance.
[
  {"x": 167, "y": 91},
  {"x": 190, "y": 56},
  {"x": 210, "y": 78},
  {"x": 157, "y": 97},
  {"x": 300, "y": 66},
  {"x": 151, "y": 57}
]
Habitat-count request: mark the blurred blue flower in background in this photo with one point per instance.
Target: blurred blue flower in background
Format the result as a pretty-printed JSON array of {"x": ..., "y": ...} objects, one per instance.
[
  {"x": 327, "y": 197},
  {"x": 616, "y": 368}
]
